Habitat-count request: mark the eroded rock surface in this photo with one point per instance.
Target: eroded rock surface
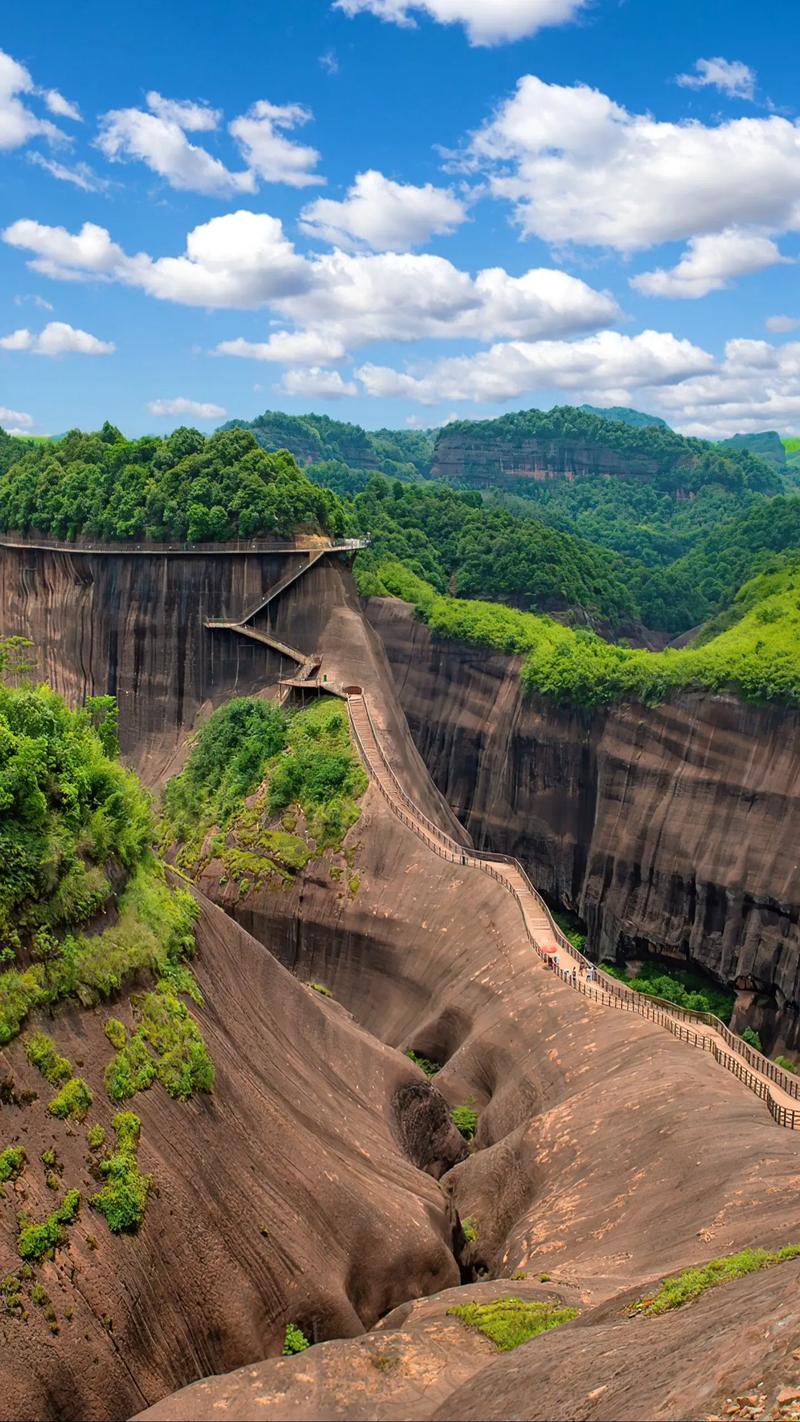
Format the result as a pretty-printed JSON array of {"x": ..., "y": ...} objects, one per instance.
[{"x": 670, "y": 829}]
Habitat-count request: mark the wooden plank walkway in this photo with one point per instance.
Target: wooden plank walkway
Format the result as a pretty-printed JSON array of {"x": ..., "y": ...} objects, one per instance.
[{"x": 777, "y": 1088}]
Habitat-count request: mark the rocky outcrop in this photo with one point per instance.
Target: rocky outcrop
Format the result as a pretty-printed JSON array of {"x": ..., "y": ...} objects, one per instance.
[
  {"x": 285, "y": 1194},
  {"x": 670, "y": 830},
  {"x": 485, "y": 459}
]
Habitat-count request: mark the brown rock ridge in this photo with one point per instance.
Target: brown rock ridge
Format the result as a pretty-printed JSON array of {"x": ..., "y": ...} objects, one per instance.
[
  {"x": 483, "y": 459},
  {"x": 670, "y": 830},
  {"x": 285, "y": 1194},
  {"x": 730, "y": 1354}
]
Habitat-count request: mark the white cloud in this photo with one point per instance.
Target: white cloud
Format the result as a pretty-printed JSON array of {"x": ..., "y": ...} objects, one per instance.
[
  {"x": 605, "y": 363},
  {"x": 755, "y": 387},
  {"x": 191, "y": 117},
  {"x": 18, "y": 123},
  {"x": 268, "y": 152},
  {"x": 405, "y": 297},
  {"x": 56, "y": 339},
  {"x": 80, "y": 175},
  {"x": 709, "y": 263},
  {"x": 383, "y": 215},
  {"x": 579, "y": 168},
  {"x": 287, "y": 348},
  {"x": 730, "y": 76},
  {"x": 487, "y": 22},
  {"x": 19, "y": 418},
  {"x": 781, "y": 325},
  {"x": 327, "y": 384},
  {"x": 244, "y": 260},
  {"x": 200, "y": 410},
  {"x": 158, "y": 140},
  {"x": 61, "y": 107},
  {"x": 240, "y": 260}
]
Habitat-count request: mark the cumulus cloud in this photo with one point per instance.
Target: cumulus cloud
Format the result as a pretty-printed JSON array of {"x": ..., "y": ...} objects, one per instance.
[
  {"x": 158, "y": 139},
  {"x": 327, "y": 384},
  {"x": 244, "y": 260},
  {"x": 18, "y": 418},
  {"x": 730, "y": 76},
  {"x": 287, "y": 348},
  {"x": 198, "y": 409},
  {"x": 61, "y": 107},
  {"x": 407, "y": 297},
  {"x": 383, "y": 215},
  {"x": 607, "y": 363},
  {"x": 781, "y": 325},
  {"x": 190, "y": 116},
  {"x": 240, "y": 260},
  {"x": 578, "y": 167},
  {"x": 755, "y": 387},
  {"x": 80, "y": 174},
  {"x": 56, "y": 339},
  {"x": 261, "y": 135},
  {"x": 487, "y": 22},
  {"x": 18, "y": 122},
  {"x": 709, "y": 263}
]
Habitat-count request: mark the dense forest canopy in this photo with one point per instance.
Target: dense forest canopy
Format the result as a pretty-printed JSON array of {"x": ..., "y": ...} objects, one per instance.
[
  {"x": 186, "y": 487},
  {"x": 317, "y": 439},
  {"x": 753, "y": 651}
]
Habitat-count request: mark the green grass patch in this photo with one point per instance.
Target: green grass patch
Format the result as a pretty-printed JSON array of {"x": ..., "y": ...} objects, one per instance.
[
  {"x": 35, "y": 1241},
  {"x": 321, "y": 989},
  {"x": 511, "y": 1322},
  {"x": 95, "y": 1136},
  {"x": 123, "y": 1199},
  {"x": 41, "y": 1053},
  {"x": 682, "y": 1288},
  {"x": 469, "y": 1228},
  {"x": 12, "y": 1164},
  {"x": 424, "y": 1063},
  {"x": 465, "y": 1120},
  {"x": 167, "y": 1046},
  {"x": 254, "y": 764},
  {"x": 294, "y": 1340},
  {"x": 73, "y": 1100}
]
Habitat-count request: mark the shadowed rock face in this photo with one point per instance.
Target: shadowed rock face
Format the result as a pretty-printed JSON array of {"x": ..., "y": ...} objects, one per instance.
[{"x": 671, "y": 829}]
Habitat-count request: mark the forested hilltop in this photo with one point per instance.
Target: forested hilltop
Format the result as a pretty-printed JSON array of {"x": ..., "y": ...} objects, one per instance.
[
  {"x": 317, "y": 440},
  {"x": 569, "y": 441},
  {"x": 185, "y": 487}
]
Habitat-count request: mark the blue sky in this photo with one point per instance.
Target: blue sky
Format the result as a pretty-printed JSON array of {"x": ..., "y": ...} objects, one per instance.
[{"x": 397, "y": 211}]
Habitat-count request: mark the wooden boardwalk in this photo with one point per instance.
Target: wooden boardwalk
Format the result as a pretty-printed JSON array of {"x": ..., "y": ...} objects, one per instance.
[{"x": 779, "y": 1090}]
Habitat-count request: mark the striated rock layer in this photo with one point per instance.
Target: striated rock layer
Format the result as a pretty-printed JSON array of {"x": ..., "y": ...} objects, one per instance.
[{"x": 670, "y": 830}]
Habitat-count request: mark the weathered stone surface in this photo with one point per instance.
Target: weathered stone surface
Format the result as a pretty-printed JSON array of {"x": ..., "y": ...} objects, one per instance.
[{"x": 671, "y": 829}]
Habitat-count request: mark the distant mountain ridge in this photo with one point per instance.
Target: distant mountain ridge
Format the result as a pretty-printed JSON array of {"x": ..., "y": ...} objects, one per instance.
[
  {"x": 767, "y": 445},
  {"x": 624, "y": 415},
  {"x": 565, "y": 442},
  {"x": 317, "y": 439}
]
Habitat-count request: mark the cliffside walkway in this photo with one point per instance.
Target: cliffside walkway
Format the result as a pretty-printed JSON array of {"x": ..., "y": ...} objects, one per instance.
[
  {"x": 184, "y": 550},
  {"x": 308, "y": 664},
  {"x": 778, "y": 1089}
]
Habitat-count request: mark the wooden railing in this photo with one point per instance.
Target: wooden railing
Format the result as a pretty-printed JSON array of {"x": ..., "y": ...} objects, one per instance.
[
  {"x": 584, "y": 976},
  {"x": 185, "y": 549}
]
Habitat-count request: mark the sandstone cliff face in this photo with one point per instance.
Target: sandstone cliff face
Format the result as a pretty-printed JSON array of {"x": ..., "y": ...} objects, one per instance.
[
  {"x": 671, "y": 830},
  {"x": 486, "y": 460}
]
